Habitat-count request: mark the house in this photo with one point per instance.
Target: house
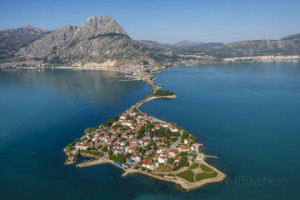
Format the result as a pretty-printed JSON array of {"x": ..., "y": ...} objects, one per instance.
[
  {"x": 132, "y": 114},
  {"x": 147, "y": 143},
  {"x": 84, "y": 145},
  {"x": 159, "y": 150},
  {"x": 133, "y": 150},
  {"x": 122, "y": 117},
  {"x": 173, "y": 129},
  {"x": 184, "y": 148},
  {"x": 149, "y": 164},
  {"x": 177, "y": 159},
  {"x": 118, "y": 151},
  {"x": 157, "y": 126},
  {"x": 165, "y": 125},
  {"x": 136, "y": 158},
  {"x": 173, "y": 153},
  {"x": 186, "y": 141},
  {"x": 162, "y": 159}
]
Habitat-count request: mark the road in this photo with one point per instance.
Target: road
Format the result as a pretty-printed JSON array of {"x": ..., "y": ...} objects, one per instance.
[{"x": 176, "y": 143}]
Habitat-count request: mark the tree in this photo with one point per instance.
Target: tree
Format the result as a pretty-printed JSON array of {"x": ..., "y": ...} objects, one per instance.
[
  {"x": 170, "y": 160},
  {"x": 183, "y": 162}
]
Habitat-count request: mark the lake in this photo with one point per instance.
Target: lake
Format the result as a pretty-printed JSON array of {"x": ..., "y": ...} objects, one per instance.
[{"x": 246, "y": 114}]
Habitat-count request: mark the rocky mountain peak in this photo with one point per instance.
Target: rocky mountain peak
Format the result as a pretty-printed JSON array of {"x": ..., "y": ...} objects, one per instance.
[
  {"x": 31, "y": 28},
  {"x": 95, "y": 26},
  {"x": 99, "y": 40}
]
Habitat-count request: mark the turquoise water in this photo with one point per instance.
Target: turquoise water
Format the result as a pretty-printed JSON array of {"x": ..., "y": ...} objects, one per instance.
[{"x": 246, "y": 114}]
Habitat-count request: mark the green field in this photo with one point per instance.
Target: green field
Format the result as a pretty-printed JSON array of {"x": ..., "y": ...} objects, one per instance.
[
  {"x": 190, "y": 175},
  {"x": 206, "y": 175},
  {"x": 194, "y": 166},
  {"x": 206, "y": 168},
  {"x": 187, "y": 175}
]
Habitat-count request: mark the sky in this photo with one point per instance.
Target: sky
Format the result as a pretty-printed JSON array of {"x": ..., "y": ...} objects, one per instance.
[{"x": 165, "y": 21}]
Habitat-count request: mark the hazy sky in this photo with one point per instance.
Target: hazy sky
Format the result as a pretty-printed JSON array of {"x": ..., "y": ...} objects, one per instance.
[{"x": 165, "y": 20}]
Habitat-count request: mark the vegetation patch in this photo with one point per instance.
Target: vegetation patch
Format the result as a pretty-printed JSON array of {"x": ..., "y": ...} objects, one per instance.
[
  {"x": 187, "y": 175},
  {"x": 109, "y": 122},
  {"x": 163, "y": 93},
  {"x": 164, "y": 168},
  {"x": 206, "y": 168},
  {"x": 206, "y": 175},
  {"x": 194, "y": 166},
  {"x": 90, "y": 152}
]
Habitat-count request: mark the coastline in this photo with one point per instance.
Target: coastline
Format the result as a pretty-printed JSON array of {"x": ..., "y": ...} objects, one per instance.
[{"x": 184, "y": 184}]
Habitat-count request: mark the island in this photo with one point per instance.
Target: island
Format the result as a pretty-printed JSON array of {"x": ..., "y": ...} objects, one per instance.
[{"x": 139, "y": 143}]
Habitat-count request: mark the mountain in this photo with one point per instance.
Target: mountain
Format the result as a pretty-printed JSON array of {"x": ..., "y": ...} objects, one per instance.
[
  {"x": 153, "y": 44},
  {"x": 291, "y": 37},
  {"x": 189, "y": 52},
  {"x": 179, "y": 46},
  {"x": 98, "y": 42},
  {"x": 190, "y": 45},
  {"x": 13, "y": 39},
  {"x": 253, "y": 48}
]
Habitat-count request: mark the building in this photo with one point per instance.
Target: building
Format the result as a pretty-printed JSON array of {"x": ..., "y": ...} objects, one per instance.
[
  {"x": 173, "y": 129},
  {"x": 184, "y": 148},
  {"x": 162, "y": 159},
  {"x": 136, "y": 158},
  {"x": 84, "y": 145},
  {"x": 173, "y": 153},
  {"x": 177, "y": 159},
  {"x": 200, "y": 157},
  {"x": 150, "y": 165},
  {"x": 186, "y": 141},
  {"x": 118, "y": 151}
]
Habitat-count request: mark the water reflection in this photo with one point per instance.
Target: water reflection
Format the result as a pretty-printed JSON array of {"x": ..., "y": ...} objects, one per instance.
[{"x": 99, "y": 86}]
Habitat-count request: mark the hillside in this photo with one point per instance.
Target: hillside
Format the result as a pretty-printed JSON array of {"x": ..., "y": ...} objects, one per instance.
[
  {"x": 12, "y": 40},
  {"x": 98, "y": 41}
]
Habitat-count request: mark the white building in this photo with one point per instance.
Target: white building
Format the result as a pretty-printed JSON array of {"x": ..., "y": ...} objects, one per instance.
[
  {"x": 136, "y": 158},
  {"x": 162, "y": 159},
  {"x": 173, "y": 129}
]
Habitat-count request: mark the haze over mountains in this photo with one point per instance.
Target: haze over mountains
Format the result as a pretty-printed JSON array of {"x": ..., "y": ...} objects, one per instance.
[
  {"x": 102, "y": 42},
  {"x": 13, "y": 39}
]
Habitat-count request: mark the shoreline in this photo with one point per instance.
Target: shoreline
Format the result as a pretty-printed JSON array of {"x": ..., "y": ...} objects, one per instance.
[
  {"x": 184, "y": 184},
  {"x": 188, "y": 186}
]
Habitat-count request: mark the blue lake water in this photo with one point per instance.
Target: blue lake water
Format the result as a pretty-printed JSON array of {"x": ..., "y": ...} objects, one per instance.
[{"x": 246, "y": 114}]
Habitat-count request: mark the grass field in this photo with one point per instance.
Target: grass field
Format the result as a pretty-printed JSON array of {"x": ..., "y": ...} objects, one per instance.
[
  {"x": 206, "y": 175},
  {"x": 187, "y": 175},
  {"x": 194, "y": 166},
  {"x": 191, "y": 174},
  {"x": 206, "y": 168},
  {"x": 164, "y": 168}
]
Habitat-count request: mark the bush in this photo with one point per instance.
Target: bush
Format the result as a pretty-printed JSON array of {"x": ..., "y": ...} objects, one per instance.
[
  {"x": 109, "y": 122},
  {"x": 163, "y": 93}
]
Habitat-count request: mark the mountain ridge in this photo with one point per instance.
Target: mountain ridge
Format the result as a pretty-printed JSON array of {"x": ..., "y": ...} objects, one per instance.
[
  {"x": 98, "y": 40},
  {"x": 101, "y": 41},
  {"x": 11, "y": 40}
]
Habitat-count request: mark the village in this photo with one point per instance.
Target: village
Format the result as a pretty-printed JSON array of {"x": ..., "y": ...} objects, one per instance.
[{"x": 138, "y": 141}]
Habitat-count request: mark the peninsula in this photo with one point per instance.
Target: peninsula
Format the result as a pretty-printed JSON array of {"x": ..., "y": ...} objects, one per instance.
[{"x": 139, "y": 143}]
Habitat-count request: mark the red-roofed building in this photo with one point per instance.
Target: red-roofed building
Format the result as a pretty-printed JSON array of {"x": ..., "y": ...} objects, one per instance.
[{"x": 173, "y": 153}]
